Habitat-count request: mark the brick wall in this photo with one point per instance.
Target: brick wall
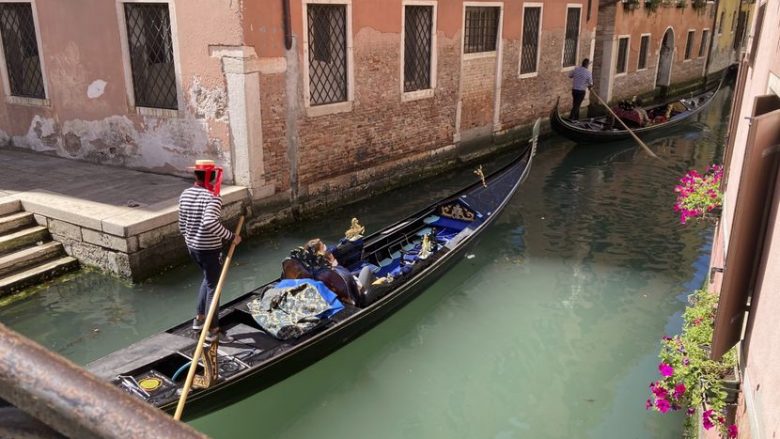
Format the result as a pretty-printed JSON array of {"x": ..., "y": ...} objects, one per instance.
[{"x": 478, "y": 92}]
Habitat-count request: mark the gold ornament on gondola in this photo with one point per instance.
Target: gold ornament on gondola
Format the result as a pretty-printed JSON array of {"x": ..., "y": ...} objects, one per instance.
[
  {"x": 426, "y": 248},
  {"x": 481, "y": 175},
  {"x": 150, "y": 384},
  {"x": 355, "y": 230},
  {"x": 210, "y": 368}
]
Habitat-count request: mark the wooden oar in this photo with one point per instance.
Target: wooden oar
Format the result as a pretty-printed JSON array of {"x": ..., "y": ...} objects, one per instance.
[
  {"x": 209, "y": 317},
  {"x": 641, "y": 143}
]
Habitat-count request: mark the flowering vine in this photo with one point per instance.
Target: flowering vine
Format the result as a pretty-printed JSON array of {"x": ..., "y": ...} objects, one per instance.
[
  {"x": 699, "y": 194},
  {"x": 688, "y": 377}
]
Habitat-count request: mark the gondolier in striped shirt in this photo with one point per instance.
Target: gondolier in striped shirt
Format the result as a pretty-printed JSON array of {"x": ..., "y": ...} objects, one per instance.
[
  {"x": 581, "y": 81},
  {"x": 200, "y": 209}
]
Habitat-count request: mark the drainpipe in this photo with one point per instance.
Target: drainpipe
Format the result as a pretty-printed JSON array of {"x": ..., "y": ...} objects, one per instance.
[
  {"x": 71, "y": 400},
  {"x": 287, "y": 25},
  {"x": 712, "y": 40}
]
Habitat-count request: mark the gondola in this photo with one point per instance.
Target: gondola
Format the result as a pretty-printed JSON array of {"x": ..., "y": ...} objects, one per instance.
[
  {"x": 151, "y": 369},
  {"x": 602, "y": 129}
]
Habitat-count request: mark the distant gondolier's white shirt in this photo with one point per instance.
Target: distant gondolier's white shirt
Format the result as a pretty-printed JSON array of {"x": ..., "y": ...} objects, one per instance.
[{"x": 582, "y": 78}]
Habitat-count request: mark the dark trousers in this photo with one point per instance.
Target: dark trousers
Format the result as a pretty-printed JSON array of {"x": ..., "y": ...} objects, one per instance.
[
  {"x": 577, "y": 96},
  {"x": 210, "y": 262}
]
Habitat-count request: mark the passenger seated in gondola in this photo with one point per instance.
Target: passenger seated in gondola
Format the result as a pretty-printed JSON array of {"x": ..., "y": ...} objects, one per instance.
[
  {"x": 644, "y": 119},
  {"x": 338, "y": 277}
]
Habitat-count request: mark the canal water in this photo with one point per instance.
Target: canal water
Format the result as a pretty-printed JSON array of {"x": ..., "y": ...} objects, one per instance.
[{"x": 548, "y": 328}]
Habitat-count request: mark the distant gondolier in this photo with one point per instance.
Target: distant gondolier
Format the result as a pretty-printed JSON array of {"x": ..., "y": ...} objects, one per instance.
[
  {"x": 582, "y": 80},
  {"x": 200, "y": 209}
]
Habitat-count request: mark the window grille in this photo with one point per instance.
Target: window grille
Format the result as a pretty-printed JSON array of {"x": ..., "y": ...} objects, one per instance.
[
  {"x": 20, "y": 46},
  {"x": 530, "y": 48},
  {"x": 689, "y": 44},
  {"x": 418, "y": 28},
  {"x": 572, "y": 37},
  {"x": 151, "y": 55},
  {"x": 644, "y": 47},
  {"x": 703, "y": 45},
  {"x": 622, "y": 57},
  {"x": 481, "y": 29},
  {"x": 327, "y": 53}
]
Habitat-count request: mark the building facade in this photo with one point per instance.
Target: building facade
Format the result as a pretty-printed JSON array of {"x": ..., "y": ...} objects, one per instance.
[
  {"x": 746, "y": 252},
  {"x": 644, "y": 45}
]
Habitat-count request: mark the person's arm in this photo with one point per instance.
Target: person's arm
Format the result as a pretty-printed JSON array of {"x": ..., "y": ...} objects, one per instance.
[
  {"x": 590, "y": 79},
  {"x": 182, "y": 223},
  {"x": 571, "y": 74},
  {"x": 211, "y": 220}
]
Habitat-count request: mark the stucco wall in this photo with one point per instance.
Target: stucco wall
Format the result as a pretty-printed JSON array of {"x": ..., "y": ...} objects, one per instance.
[
  {"x": 761, "y": 388},
  {"x": 88, "y": 115}
]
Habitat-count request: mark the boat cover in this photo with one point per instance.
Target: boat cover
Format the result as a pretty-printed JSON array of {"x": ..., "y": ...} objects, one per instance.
[{"x": 294, "y": 307}]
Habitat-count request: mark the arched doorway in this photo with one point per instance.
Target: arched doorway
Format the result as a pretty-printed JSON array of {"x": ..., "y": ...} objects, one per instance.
[{"x": 665, "y": 57}]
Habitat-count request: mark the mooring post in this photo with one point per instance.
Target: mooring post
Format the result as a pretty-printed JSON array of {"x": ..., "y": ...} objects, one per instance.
[{"x": 73, "y": 401}]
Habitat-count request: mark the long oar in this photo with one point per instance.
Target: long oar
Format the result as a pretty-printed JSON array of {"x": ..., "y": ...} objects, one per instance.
[
  {"x": 209, "y": 317},
  {"x": 641, "y": 143}
]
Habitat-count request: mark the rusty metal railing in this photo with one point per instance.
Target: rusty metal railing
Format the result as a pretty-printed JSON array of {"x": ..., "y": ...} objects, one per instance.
[{"x": 70, "y": 400}]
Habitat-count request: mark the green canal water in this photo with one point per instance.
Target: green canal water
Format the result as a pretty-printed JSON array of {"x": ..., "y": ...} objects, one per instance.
[{"x": 549, "y": 328}]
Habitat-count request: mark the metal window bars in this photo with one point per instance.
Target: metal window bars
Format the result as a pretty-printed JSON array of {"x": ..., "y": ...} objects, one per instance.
[
  {"x": 530, "y": 51},
  {"x": 418, "y": 23},
  {"x": 689, "y": 44},
  {"x": 622, "y": 55},
  {"x": 644, "y": 46},
  {"x": 20, "y": 46},
  {"x": 572, "y": 35},
  {"x": 151, "y": 55},
  {"x": 327, "y": 28},
  {"x": 481, "y": 29},
  {"x": 703, "y": 45}
]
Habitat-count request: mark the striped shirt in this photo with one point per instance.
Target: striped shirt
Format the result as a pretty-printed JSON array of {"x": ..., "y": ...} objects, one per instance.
[
  {"x": 582, "y": 78},
  {"x": 199, "y": 219}
]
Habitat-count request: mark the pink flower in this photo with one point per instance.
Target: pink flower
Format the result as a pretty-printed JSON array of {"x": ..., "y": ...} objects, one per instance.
[
  {"x": 679, "y": 390},
  {"x": 662, "y": 405},
  {"x": 706, "y": 420},
  {"x": 648, "y": 404},
  {"x": 659, "y": 392},
  {"x": 690, "y": 411},
  {"x": 665, "y": 369},
  {"x": 733, "y": 431}
]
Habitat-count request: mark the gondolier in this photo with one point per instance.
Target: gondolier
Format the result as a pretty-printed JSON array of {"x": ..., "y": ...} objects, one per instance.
[
  {"x": 200, "y": 209},
  {"x": 581, "y": 81}
]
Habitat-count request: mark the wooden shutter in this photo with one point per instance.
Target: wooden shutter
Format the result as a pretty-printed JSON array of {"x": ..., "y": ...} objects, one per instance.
[{"x": 748, "y": 228}]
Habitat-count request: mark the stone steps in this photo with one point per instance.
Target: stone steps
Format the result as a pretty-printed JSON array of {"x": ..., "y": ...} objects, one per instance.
[{"x": 28, "y": 256}]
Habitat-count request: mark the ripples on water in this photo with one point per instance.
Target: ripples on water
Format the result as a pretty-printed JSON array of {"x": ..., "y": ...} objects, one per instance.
[{"x": 550, "y": 331}]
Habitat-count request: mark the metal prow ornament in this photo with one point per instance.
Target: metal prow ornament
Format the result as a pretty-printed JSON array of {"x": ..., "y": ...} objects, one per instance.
[
  {"x": 481, "y": 175},
  {"x": 210, "y": 368}
]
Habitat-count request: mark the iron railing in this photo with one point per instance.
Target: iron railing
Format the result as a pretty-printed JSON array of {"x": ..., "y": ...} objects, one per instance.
[
  {"x": 418, "y": 23},
  {"x": 572, "y": 37},
  {"x": 151, "y": 54},
  {"x": 327, "y": 53},
  {"x": 481, "y": 29},
  {"x": 20, "y": 46},
  {"x": 530, "y": 52}
]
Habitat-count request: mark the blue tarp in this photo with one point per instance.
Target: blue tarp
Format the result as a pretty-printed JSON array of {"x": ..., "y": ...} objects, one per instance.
[{"x": 329, "y": 296}]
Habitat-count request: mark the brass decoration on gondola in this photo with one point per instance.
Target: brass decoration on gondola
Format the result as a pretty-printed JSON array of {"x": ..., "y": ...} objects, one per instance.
[
  {"x": 481, "y": 175},
  {"x": 150, "y": 384},
  {"x": 355, "y": 230},
  {"x": 426, "y": 248},
  {"x": 210, "y": 368},
  {"x": 456, "y": 211}
]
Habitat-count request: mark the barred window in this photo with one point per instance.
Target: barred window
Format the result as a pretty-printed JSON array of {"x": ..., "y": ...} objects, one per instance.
[
  {"x": 151, "y": 55},
  {"x": 644, "y": 47},
  {"x": 418, "y": 37},
  {"x": 530, "y": 48},
  {"x": 622, "y": 56},
  {"x": 689, "y": 44},
  {"x": 20, "y": 45},
  {"x": 720, "y": 24},
  {"x": 572, "y": 37},
  {"x": 703, "y": 46},
  {"x": 481, "y": 29},
  {"x": 327, "y": 30}
]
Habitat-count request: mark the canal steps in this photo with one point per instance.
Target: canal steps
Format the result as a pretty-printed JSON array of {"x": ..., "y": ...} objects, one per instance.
[{"x": 27, "y": 254}]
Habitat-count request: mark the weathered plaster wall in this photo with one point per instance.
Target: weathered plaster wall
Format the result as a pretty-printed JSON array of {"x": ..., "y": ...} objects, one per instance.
[{"x": 88, "y": 116}]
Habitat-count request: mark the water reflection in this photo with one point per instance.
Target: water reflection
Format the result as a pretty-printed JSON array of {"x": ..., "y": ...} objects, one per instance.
[{"x": 548, "y": 330}]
